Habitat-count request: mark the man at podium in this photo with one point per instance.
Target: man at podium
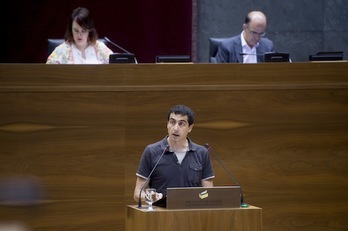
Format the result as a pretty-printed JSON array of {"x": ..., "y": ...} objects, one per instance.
[{"x": 174, "y": 161}]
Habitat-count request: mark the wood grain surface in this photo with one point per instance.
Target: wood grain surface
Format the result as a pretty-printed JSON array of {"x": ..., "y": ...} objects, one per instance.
[
  {"x": 237, "y": 219},
  {"x": 79, "y": 131}
]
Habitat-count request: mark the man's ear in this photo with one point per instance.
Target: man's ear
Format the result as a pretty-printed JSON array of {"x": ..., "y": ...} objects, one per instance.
[{"x": 191, "y": 126}]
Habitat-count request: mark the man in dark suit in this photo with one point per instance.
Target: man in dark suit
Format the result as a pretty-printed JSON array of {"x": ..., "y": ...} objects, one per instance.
[{"x": 250, "y": 45}]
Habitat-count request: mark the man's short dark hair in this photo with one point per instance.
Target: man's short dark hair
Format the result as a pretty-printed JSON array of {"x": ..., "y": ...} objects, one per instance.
[{"x": 183, "y": 110}]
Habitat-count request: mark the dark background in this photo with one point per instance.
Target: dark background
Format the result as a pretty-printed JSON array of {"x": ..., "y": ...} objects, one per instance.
[
  {"x": 146, "y": 28},
  {"x": 182, "y": 27},
  {"x": 300, "y": 27}
]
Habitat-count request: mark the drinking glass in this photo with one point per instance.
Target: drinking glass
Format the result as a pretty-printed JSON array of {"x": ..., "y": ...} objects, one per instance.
[{"x": 150, "y": 197}]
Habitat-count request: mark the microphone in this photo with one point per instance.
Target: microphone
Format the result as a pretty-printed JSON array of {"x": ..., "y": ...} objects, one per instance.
[
  {"x": 119, "y": 47},
  {"x": 148, "y": 178},
  {"x": 241, "y": 53},
  {"x": 210, "y": 150}
]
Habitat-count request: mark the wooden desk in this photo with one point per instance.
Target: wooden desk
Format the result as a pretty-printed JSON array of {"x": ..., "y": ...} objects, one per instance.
[{"x": 236, "y": 219}]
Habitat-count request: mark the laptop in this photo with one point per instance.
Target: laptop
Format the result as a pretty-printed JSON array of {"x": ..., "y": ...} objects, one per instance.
[
  {"x": 201, "y": 197},
  {"x": 122, "y": 58},
  {"x": 276, "y": 57},
  {"x": 327, "y": 56},
  {"x": 173, "y": 59}
]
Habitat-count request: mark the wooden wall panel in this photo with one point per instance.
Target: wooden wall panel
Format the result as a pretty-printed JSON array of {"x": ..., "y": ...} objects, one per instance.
[
  {"x": 281, "y": 129},
  {"x": 73, "y": 144}
]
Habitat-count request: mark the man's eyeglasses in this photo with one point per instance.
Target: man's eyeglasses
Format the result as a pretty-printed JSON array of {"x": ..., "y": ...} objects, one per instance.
[{"x": 262, "y": 34}]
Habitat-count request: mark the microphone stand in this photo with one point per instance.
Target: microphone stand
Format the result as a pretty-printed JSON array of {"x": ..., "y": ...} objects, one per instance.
[
  {"x": 210, "y": 150},
  {"x": 242, "y": 54},
  {"x": 148, "y": 178},
  {"x": 119, "y": 47}
]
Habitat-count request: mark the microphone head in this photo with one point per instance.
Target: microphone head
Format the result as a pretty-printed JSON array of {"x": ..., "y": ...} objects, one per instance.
[
  {"x": 107, "y": 39},
  {"x": 207, "y": 146}
]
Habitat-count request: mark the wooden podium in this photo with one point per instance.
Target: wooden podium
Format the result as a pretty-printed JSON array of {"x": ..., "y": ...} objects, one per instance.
[{"x": 161, "y": 219}]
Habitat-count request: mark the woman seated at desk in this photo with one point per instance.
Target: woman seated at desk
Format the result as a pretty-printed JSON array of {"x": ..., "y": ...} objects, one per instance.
[{"x": 81, "y": 45}]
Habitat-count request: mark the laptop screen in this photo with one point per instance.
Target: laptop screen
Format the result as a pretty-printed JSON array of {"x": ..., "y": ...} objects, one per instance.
[
  {"x": 276, "y": 57},
  {"x": 122, "y": 58}
]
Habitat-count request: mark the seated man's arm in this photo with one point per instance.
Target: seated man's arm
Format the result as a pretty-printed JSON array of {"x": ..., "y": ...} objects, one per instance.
[{"x": 222, "y": 56}]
